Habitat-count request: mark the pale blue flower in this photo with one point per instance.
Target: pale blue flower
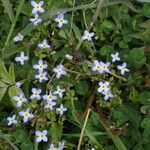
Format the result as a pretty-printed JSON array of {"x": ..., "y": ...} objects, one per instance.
[
  {"x": 44, "y": 45},
  {"x": 61, "y": 145},
  {"x": 36, "y": 93},
  {"x": 97, "y": 66},
  {"x": 123, "y": 68},
  {"x": 52, "y": 147},
  {"x": 37, "y": 7},
  {"x": 107, "y": 94},
  {"x": 26, "y": 115},
  {"x": 60, "y": 20},
  {"x": 18, "y": 85},
  {"x": 50, "y": 97},
  {"x": 59, "y": 91},
  {"x": 59, "y": 70},
  {"x": 19, "y": 37},
  {"x": 41, "y": 136},
  {"x": 61, "y": 109},
  {"x": 87, "y": 35},
  {"x": 40, "y": 66},
  {"x": 50, "y": 105},
  {"x": 22, "y": 58},
  {"x": 12, "y": 120},
  {"x": 105, "y": 67},
  {"x": 104, "y": 86},
  {"x": 36, "y": 20},
  {"x": 20, "y": 99},
  {"x": 115, "y": 57},
  {"x": 41, "y": 76}
]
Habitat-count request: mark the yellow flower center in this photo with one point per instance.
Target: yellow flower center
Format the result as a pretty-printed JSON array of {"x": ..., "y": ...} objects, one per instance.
[
  {"x": 41, "y": 135},
  {"x": 61, "y": 20},
  {"x": 88, "y": 36},
  {"x": 41, "y": 76},
  {"x": 37, "y": 7},
  {"x": 98, "y": 66},
  {"x": 59, "y": 71},
  {"x": 20, "y": 99},
  {"x": 26, "y": 114},
  {"x": 41, "y": 66},
  {"x": 20, "y": 38},
  {"x": 21, "y": 58}
]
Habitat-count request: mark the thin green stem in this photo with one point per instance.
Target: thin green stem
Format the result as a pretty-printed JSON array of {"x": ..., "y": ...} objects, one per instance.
[
  {"x": 13, "y": 25},
  {"x": 72, "y": 16}
]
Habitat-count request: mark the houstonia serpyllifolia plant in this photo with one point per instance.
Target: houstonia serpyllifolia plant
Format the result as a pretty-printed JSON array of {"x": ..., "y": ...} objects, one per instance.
[{"x": 48, "y": 99}]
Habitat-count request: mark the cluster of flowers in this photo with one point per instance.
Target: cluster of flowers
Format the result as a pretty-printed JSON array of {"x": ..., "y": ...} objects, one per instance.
[
  {"x": 102, "y": 67},
  {"x": 41, "y": 136},
  {"x": 59, "y": 70}
]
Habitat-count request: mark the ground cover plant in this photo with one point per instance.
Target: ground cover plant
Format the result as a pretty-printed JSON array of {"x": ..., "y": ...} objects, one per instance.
[{"x": 75, "y": 74}]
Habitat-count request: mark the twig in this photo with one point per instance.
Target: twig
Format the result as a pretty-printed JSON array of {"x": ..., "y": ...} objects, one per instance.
[
  {"x": 82, "y": 132},
  {"x": 99, "y": 8},
  {"x": 117, "y": 76},
  {"x": 72, "y": 71},
  {"x": 89, "y": 103}
]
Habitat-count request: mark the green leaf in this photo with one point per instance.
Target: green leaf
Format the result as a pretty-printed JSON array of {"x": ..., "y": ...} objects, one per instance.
[
  {"x": 9, "y": 9},
  {"x": 145, "y": 123},
  {"x": 146, "y": 10},
  {"x": 26, "y": 145},
  {"x": 108, "y": 24},
  {"x": 11, "y": 71},
  {"x": 136, "y": 57},
  {"x": 62, "y": 34},
  {"x": 82, "y": 88},
  {"x": 106, "y": 50},
  {"x": 4, "y": 74},
  {"x": 76, "y": 31},
  {"x": 56, "y": 131},
  {"x": 20, "y": 135},
  {"x": 61, "y": 54},
  {"x": 2, "y": 92},
  {"x": 13, "y": 91}
]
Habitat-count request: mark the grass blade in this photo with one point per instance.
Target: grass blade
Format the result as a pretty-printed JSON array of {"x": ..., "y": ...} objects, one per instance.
[
  {"x": 8, "y": 7},
  {"x": 117, "y": 141}
]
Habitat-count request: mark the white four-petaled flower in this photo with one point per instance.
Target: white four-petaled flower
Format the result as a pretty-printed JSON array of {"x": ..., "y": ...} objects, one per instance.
[
  {"x": 41, "y": 76},
  {"x": 20, "y": 99},
  {"x": 36, "y": 20},
  {"x": 22, "y": 58},
  {"x": 41, "y": 136},
  {"x": 87, "y": 35},
  {"x": 123, "y": 68},
  {"x": 44, "y": 45},
  {"x": 59, "y": 91},
  {"x": 60, "y": 20},
  {"x": 36, "y": 93},
  {"x": 59, "y": 70},
  {"x": 26, "y": 115},
  {"x": 61, "y": 109},
  {"x": 12, "y": 120},
  {"x": 103, "y": 86},
  {"x": 115, "y": 57},
  {"x": 40, "y": 66},
  {"x": 37, "y": 7},
  {"x": 19, "y": 37}
]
